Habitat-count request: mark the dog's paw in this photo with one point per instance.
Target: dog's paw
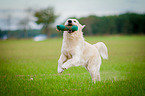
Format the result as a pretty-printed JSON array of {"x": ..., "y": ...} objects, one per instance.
[
  {"x": 60, "y": 70},
  {"x": 64, "y": 67}
]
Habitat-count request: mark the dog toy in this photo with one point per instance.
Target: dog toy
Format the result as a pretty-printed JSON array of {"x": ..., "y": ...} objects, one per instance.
[{"x": 67, "y": 28}]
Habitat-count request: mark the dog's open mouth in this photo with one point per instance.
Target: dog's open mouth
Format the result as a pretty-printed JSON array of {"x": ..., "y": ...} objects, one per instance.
[
  {"x": 70, "y": 31},
  {"x": 70, "y": 24}
]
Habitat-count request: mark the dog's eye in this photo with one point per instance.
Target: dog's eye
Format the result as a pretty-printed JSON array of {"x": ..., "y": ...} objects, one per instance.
[{"x": 75, "y": 21}]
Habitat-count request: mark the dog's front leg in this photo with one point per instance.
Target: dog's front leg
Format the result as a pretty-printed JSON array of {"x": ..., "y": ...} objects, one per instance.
[
  {"x": 61, "y": 60},
  {"x": 71, "y": 62}
]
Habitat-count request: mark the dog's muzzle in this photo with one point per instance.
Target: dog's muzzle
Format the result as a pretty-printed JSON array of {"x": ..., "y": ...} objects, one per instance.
[{"x": 70, "y": 24}]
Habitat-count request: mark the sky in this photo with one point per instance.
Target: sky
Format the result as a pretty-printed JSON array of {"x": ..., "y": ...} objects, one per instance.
[{"x": 15, "y": 9}]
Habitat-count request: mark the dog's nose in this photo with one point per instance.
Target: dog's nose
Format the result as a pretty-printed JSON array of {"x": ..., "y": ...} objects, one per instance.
[{"x": 69, "y": 21}]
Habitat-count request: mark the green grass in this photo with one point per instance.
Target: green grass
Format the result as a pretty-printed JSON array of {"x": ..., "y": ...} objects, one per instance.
[{"x": 123, "y": 74}]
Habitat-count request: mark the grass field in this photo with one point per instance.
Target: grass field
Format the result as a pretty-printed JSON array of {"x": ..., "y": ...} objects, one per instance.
[{"x": 30, "y": 68}]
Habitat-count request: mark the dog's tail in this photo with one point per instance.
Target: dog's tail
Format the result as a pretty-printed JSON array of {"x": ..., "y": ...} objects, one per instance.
[{"x": 102, "y": 49}]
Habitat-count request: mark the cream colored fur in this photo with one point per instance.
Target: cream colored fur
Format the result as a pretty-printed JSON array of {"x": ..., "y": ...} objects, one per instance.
[{"x": 76, "y": 51}]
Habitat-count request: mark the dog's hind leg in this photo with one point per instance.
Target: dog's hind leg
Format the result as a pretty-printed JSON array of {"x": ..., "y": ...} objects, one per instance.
[
  {"x": 61, "y": 60},
  {"x": 94, "y": 74},
  {"x": 93, "y": 69}
]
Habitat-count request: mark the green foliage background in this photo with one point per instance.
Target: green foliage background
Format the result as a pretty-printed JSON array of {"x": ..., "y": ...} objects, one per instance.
[
  {"x": 124, "y": 24},
  {"x": 128, "y": 23}
]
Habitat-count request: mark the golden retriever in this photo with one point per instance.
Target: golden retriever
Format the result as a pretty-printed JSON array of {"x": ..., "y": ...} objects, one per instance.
[{"x": 76, "y": 51}]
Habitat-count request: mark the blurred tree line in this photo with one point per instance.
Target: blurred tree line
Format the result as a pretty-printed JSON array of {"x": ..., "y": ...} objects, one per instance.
[
  {"x": 19, "y": 33},
  {"x": 127, "y": 23},
  {"x": 45, "y": 17}
]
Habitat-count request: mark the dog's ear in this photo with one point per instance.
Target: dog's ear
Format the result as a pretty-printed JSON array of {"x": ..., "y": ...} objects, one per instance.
[{"x": 83, "y": 26}]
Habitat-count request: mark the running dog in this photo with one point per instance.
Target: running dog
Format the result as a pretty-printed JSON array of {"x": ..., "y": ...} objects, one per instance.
[{"x": 76, "y": 51}]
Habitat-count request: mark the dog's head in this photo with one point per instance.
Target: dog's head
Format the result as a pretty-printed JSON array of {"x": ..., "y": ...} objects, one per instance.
[{"x": 71, "y": 22}]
